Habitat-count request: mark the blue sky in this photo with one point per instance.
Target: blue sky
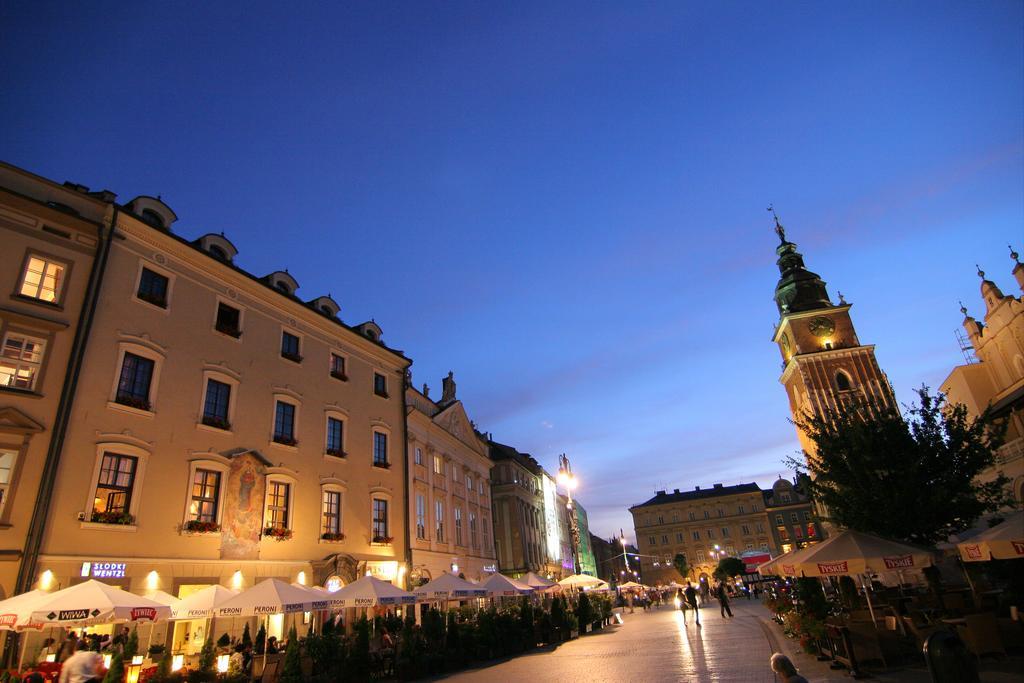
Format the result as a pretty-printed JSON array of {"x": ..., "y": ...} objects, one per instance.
[{"x": 565, "y": 203}]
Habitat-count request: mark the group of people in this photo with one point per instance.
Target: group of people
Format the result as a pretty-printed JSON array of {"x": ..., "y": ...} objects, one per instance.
[{"x": 686, "y": 598}]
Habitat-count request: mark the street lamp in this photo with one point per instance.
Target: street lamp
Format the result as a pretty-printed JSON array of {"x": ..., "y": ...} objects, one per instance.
[{"x": 567, "y": 479}]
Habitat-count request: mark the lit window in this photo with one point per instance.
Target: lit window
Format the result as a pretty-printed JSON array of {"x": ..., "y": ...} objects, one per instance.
[
  {"x": 439, "y": 521},
  {"x": 335, "y": 434},
  {"x": 284, "y": 424},
  {"x": 380, "y": 521},
  {"x": 215, "y": 407},
  {"x": 794, "y": 518},
  {"x": 278, "y": 499},
  {"x": 205, "y": 492},
  {"x": 779, "y": 519},
  {"x": 331, "y": 523},
  {"x": 438, "y": 467},
  {"x": 113, "y": 497},
  {"x": 7, "y": 458},
  {"x": 153, "y": 288},
  {"x": 134, "y": 382},
  {"x": 229, "y": 320},
  {"x": 421, "y": 516},
  {"x": 290, "y": 347},
  {"x": 20, "y": 361},
  {"x": 338, "y": 367},
  {"x": 380, "y": 384},
  {"x": 43, "y": 279},
  {"x": 380, "y": 449}
]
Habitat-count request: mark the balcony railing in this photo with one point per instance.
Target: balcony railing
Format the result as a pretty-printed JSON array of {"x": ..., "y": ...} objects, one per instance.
[{"x": 1009, "y": 452}]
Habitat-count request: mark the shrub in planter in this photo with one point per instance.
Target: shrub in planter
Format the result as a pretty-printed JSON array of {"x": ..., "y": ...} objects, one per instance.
[
  {"x": 453, "y": 652},
  {"x": 261, "y": 640},
  {"x": 224, "y": 640},
  {"x": 584, "y": 611},
  {"x": 115, "y": 674},
  {"x": 291, "y": 672},
  {"x": 527, "y": 626},
  {"x": 359, "y": 652}
]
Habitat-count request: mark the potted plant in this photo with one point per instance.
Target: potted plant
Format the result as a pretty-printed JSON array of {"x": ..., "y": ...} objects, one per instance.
[
  {"x": 385, "y": 540},
  {"x": 285, "y": 440},
  {"x": 278, "y": 533},
  {"x": 132, "y": 401},
  {"x": 218, "y": 422},
  {"x": 336, "y": 452},
  {"x": 196, "y": 526},
  {"x": 382, "y": 464},
  {"x": 332, "y": 536},
  {"x": 112, "y": 517}
]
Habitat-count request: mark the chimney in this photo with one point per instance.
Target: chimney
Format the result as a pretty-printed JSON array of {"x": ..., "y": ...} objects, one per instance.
[
  {"x": 660, "y": 493},
  {"x": 676, "y": 491},
  {"x": 696, "y": 488}
]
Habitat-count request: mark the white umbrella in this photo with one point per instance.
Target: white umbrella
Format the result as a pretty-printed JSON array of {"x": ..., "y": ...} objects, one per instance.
[
  {"x": 537, "y": 581},
  {"x": 202, "y": 604},
  {"x": 448, "y": 587},
  {"x": 368, "y": 592},
  {"x": 323, "y": 597},
  {"x": 1004, "y": 541},
  {"x": 583, "y": 581},
  {"x": 854, "y": 552},
  {"x": 16, "y": 612},
  {"x": 93, "y": 602},
  {"x": 499, "y": 586},
  {"x": 271, "y": 596},
  {"x": 162, "y": 597},
  {"x": 631, "y": 586}
]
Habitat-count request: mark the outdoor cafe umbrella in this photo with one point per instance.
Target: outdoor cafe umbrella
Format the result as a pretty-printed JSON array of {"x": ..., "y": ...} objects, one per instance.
[
  {"x": 368, "y": 591},
  {"x": 1004, "y": 541},
  {"x": 16, "y": 612},
  {"x": 583, "y": 581},
  {"x": 202, "y": 604},
  {"x": 783, "y": 565},
  {"x": 447, "y": 587},
  {"x": 94, "y": 602},
  {"x": 499, "y": 586},
  {"x": 539, "y": 582},
  {"x": 631, "y": 586}
]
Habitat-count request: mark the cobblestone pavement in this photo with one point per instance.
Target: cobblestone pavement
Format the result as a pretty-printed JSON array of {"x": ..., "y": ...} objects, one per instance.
[{"x": 650, "y": 646}]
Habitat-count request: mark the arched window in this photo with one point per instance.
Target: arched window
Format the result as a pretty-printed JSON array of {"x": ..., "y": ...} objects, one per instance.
[
  {"x": 153, "y": 218},
  {"x": 217, "y": 252},
  {"x": 283, "y": 287},
  {"x": 843, "y": 381}
]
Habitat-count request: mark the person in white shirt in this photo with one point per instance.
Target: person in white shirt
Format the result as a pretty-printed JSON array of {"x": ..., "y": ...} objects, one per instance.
[{"x": 82, "y": 667}]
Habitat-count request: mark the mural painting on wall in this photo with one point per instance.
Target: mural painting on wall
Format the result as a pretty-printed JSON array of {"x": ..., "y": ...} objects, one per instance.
[{"x": 243, "y": 509}]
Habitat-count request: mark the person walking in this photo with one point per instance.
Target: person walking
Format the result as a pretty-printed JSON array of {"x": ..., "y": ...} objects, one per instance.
[
  {"x": 723, "y": 599},
  {"x": 781, "y": 665},
  {"x": 691, "y": 599}
]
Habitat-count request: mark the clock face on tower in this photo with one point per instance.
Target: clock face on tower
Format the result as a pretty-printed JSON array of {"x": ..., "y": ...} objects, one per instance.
[{"x": 821, "y": 326}]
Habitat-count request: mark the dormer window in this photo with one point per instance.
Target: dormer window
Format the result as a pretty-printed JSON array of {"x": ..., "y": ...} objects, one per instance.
[
  {"x": 218, "y": 246},
  {"x": 217, "y": 252},
  {"x": 153, "y": 218},
  {"x": 283, "y": 287}
]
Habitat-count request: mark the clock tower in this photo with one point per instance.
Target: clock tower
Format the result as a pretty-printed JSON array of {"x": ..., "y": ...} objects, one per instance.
[{"x": 823, "y": 362}]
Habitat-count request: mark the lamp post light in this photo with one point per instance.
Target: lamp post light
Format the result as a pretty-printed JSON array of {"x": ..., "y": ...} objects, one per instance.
[{"x": 567, "y": 479}]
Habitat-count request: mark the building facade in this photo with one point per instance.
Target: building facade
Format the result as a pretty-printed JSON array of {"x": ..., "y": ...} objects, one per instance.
[
  {"x": 51, "y": 235},
  {"x": 518, "y": 506},
  {"x": 790, "y": 515},
  {"x": 224, "y": 430},
  {"x": 703, "y": 525},
  {"x": 449, "y": 488},
  {"x": 824, "y": 365},
  {"x": 996, "y": 381}
]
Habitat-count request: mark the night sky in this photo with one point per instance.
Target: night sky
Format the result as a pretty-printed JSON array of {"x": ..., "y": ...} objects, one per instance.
[{"x": 565, "y": 203}]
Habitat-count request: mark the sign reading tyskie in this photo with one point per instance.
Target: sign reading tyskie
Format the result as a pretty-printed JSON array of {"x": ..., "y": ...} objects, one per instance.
[
  {"x": 833, "y": 567},
  {"x": 1018, "y": 547},
  {"x": 902, "y": 562}
]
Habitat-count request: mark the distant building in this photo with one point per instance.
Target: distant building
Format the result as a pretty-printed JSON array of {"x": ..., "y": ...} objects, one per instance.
[
  {"x": 587, "y": 563},
  {"x": 449, "y": 488},
  {"x": 612, "y": 557},
  {"x": 518, "y": 508},
  {"x": 703, "y": 525},
  {"x": 996, "y": 381},
  {"x": 791, "y": 516}
]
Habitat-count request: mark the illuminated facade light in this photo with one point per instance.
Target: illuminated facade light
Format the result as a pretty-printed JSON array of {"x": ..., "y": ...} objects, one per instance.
[
  {"x": 46, "y": 580},
  {"x": 237, "y": 580},
  {"x": 152, "y": 580}
]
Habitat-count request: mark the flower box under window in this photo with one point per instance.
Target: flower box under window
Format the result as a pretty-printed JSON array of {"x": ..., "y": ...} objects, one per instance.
[
  {"x": 291, "y": 356},
  {"x": 339, "y": 375},
  {"x": 285, "y": 440},
  {"x": 384, "y": 540},
  {"x": 382, "y": 464},
  {"x": 196, "y": 526},
  {"x": 113, "y": 517},
  {"x": 336, "y": 452},
  {"x": 277, "y": 533},
  {"x": 133, "y": 401},
  {"x": 332, "y": 536},
  {"x": 230, "y": 330},
  {"x": 218, "y": 422}
]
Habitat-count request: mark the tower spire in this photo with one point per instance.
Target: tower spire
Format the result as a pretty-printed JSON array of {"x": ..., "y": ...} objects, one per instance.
[
  {"x": 779, "y": 230},
  {"x": 798, "y": 289}
]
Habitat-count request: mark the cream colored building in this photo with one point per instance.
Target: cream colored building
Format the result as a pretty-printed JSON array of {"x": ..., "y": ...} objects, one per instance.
[
  {"x": 449, "y": 489},
  {"x": 519, "y": 522},
  {"x": 224, "y": 430},
  {"x": 704, "y": 525},
  {"x": 997, "y": 380},
  {"x": 49, "y": 235}
]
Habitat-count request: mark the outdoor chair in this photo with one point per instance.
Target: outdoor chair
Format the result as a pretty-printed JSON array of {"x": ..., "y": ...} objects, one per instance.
[{"x": 981, "y": 633}]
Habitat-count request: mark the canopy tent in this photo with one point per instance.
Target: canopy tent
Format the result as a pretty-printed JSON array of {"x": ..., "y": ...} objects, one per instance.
[
  {"x": 632, "y": 586},
  {"x": 854, "y": 552},
  {"x": 500, "y": 586},
  {"x": 202, "y": 604},
  {"x": 94, "y": 602},
  {"x": 783, "y": 565},
  {"x": 583, "y": 581},
  {"x": 271, "y": 596},
  {"x": 162, "y": 597},
  {"x": 16, "y": 612},
  {"x": 538, "y": 582},
  {"x": 368, "y": 592},
  {"x": 448, "y": 587},
  {"x": 1004, "y": 541}
]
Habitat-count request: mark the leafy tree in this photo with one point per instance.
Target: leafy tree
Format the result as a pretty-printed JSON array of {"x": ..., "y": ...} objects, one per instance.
[
  {"x": 291, "y": 672},
  {"x": 679, "y": 562},
  {"x": 207, "y": 656},
  {"x": 729, "y": 567},
  {"x": 910, "y": 478}
]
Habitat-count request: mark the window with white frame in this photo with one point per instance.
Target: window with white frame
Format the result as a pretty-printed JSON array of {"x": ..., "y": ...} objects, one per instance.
[
  {"x": 469, "y": 484},
  {"x": 205, "y": 496},
  {"x": 458, "y": 526},
  {"x": 480, "y": 484},
  {"x": 421, "y": 516},
  {"x": 135, "y": 380},
  {"x": 43, "y": 279},
  {"x": 337, "y": 367},
  {"x": 380, "y": 449},
  {"x": 284, "y": 423},
  {"x": 380, "y": 521},
  {"x": 21, "y": 359},
  {"x": 438, "y": 465},
  {"x": 216, "y": 404},
  {"x": 330, "y": 520},
  {"x": 8, "y": 457},
  {"x": 335, "y": 436},
  {"x": 439, "y": 521},
  {"x": 114, "y": 489},
  {"x": 278, "y": 503}
]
